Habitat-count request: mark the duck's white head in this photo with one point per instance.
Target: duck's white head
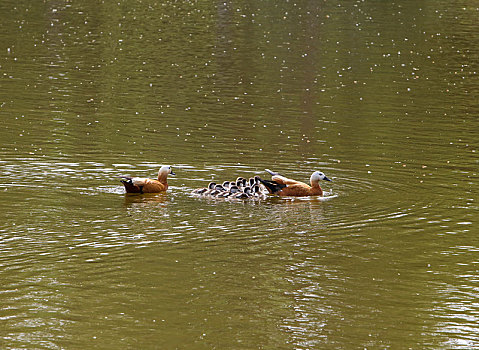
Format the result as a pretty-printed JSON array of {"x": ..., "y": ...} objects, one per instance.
[
  {"x": 318, "y": 175},
  {"x": 166, "y": 170}
]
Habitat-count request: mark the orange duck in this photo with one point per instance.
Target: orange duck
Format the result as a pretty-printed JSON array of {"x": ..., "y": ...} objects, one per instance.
[
  {"x": 283, "y": 186},
  {"x": 146, "y": 185}
]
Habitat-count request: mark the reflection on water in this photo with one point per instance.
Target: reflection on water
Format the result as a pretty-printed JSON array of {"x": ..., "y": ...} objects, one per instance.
[
  {"x": 376, "y": 95},
  {"x": 147, "y": 198}
]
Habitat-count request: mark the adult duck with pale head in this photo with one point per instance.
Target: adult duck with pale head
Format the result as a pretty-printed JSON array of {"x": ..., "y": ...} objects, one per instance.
[
  {"x": 283, "y": 186},
  {"x": 146, "y": 185}
]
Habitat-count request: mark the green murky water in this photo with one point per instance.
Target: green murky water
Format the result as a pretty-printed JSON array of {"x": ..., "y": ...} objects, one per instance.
[{"x": 381, "y": 96}]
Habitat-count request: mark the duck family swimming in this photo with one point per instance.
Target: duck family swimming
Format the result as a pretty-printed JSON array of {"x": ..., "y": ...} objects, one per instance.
[
  {"x": 257, "y": 187},
  {"x": 241, "y": 188}
]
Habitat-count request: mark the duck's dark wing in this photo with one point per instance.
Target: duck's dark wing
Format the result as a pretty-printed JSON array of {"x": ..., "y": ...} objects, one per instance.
[
  {"x": 272, "y": 186},
  {"x": 129, "y": 187}
]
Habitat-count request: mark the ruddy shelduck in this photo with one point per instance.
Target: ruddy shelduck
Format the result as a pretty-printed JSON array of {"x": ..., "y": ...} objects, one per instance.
[
  {"x": 282, "y": 186},
  {"x": 146, "y": 185}
]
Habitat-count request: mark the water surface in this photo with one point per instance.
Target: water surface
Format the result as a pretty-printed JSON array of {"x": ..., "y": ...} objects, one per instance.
[{"x": 379, "y": 96}]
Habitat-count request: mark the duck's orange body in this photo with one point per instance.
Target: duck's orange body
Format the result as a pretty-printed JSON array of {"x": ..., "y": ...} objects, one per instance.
[
  {"x": 146, "y": 185},
  {"x": 283, "y": 186}
]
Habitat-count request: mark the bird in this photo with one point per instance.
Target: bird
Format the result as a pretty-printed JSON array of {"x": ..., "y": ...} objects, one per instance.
[
  {"x": 202, "y": 190},
  {"x": 283, "y": 186},
  {"x": 212, "y": 188},
  {"x": 241, "y": 195},
  {"x": 224, "y": 194},
  {"x": 257, "y": 193},
  {"x": 240, "y": 182},
  {"x": 216, "y": 191},
  {"x": 146, "y": 185},
  {"x": 252, "y": 182},
  {"x": 230, "y": 192}
]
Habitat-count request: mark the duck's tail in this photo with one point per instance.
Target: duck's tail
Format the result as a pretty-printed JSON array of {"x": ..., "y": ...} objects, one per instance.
[
  {"x": 124, "y": 179},
  {"x": 129, "y": 186},
  {"x": 272, "y": 173},
  {"x": 272, "y": 186}
]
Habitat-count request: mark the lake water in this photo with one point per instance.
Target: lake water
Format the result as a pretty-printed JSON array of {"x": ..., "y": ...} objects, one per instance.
[{"x": 381, "y": 96}]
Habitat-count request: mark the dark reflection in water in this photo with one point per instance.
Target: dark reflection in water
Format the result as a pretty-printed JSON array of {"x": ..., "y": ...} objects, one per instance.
[{"x": 379, "y": 96}]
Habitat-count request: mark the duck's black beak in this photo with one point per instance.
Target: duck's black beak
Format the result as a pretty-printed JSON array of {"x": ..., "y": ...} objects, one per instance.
[
  {"x": 172, "y": 173},
  {"x": 327, "y": 179}
]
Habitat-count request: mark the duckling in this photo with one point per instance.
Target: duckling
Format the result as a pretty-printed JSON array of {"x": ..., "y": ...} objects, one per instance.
[
  {"x": 240, "y": 179},
  {"x": 257, "y": 192},
  {"x": 231, "y": 191},
  {"x": 211, "y": 188},
  {"x": 226, "y": 185},
  {"x": 224, "y": 194},
  {"x": 234, "y": 189},
  {"x": 199, "y": 191},
  {"x": 241, "y": 182},
  {"x": 262, "y": 188},
  {"x": 244, "y": 194},
  {"x": 240, "y": 195},
  {"x": 217, "y": 190},
  {"x": 248, "y": 190},
  {"x": 202, "y": 190}
]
